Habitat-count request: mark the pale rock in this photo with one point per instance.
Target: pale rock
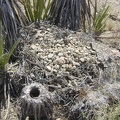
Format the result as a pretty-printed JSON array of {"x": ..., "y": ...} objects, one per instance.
[
  {"x": 36, "y": 48},
  {"x": 88, "y": 47},
  {"x": 76, "y": 64},
  {"x": 50, "y": 55},
  {"x": 56, "y": 67},
  {"x": 32, "y": 75},
  {"x": 60, "y": 60},
  {"x": 77, "y": 51},
  {"x": 86, "y": 54},
  {"x": 93, "y": 52},
  {"x": 37, "y": 44},
  {"x": 58, "y": 45},
  {"x": 60, "y": 54},
  {"x": 48, "y": 29},
  {"x": 58, "y": 119},
  {"x": 41, "y": 38},
  {"x": 84, "y": 48},
  {"x": 82, "y": 59},
  {"x": 49, "y": 68},
  {"x": 33, "y": 46}
]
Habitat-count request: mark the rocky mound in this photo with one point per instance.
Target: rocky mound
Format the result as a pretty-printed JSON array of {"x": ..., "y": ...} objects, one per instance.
[{"x": 80, "y": 73}]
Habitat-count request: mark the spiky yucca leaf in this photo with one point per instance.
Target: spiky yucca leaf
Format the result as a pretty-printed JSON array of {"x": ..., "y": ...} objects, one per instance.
[
  {"x": 5, "y": 57},
  {"x": 12, "y": 19},
  {"x": 100, "y": 18},
  {"x": 36, "y": 10},
  {"x": 71, "y": 14}
]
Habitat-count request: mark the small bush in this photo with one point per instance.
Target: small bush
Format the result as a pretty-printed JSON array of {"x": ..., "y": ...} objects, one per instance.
[
  {"x": 36, "y": 10},
  {"x": 99, "y": 20}
]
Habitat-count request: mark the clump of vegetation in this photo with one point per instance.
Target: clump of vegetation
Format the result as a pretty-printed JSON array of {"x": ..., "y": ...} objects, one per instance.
[
  {"x": 36, "y": 10},
  {"x": 71, "y": 14},
  {"x": 4, "y": 60},
  {"x": 110, "y": 113},
  {"x": 12, "y": 19},
  {"x": 100, "y": 18}
]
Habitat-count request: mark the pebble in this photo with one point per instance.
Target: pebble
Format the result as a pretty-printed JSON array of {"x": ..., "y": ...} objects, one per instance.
[
  {"x": 56, "y": 67},
  {"x": 50, "y": 55},
  {"x": 36, "y": 48},
  {"x": 49, "y": 69},
  {"x": 33, "y": 46},
  {"x": 60, "y": 61},
  {"x": 60, "y": 54},
  {"x": 77, "y": 51},
  {"x": 76, "y": 64},
  {"x": 93, "y": 52},
  {"x": 32, "y": 75},
  {"x": 82, "y": 59},
  {"x": 88, "y": 47}
]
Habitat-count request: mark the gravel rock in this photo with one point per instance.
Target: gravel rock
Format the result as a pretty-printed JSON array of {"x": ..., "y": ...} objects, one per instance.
[
  {"x": 49, "y": 68},
  {"x": 60, "y": 60}
]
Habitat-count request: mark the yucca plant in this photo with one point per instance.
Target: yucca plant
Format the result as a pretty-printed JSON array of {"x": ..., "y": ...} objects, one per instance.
[
  {"x": 100, "y": 18},
  {"x": 36, "y": 10},
  {"x": 71, "y": 14},
  {"x": 4, "y": 59},
  {"x": 12, "y": 19}
]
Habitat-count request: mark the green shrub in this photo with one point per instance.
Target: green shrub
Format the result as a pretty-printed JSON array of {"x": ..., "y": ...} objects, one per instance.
[
  {"x": 36, "y": 10},
  {"x": 99, "y": 20}
]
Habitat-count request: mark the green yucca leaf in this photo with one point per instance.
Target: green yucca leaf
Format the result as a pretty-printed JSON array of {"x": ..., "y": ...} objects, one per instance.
[
  {"x": 36, "y": 10},
  {"x": 4, "y": 58},
  {"x": 40, "y": 6},
  {"x": 29, "y": 10},
  {"x": 13, "y": 48},
  {"x": 99, "y": 22},
  {"x": 47, "y": 8},
  {"x": 27, "y": 13},
  {"x": 101, "y": 15}
]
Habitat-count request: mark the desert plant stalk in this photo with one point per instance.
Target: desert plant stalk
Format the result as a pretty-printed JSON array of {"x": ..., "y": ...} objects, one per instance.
[
  {"x": 36, "y": 10},
  {"x": 12, "y": 19},
  {"x": 4, "y": 60},
  {"x": 71, "y": 14}
]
